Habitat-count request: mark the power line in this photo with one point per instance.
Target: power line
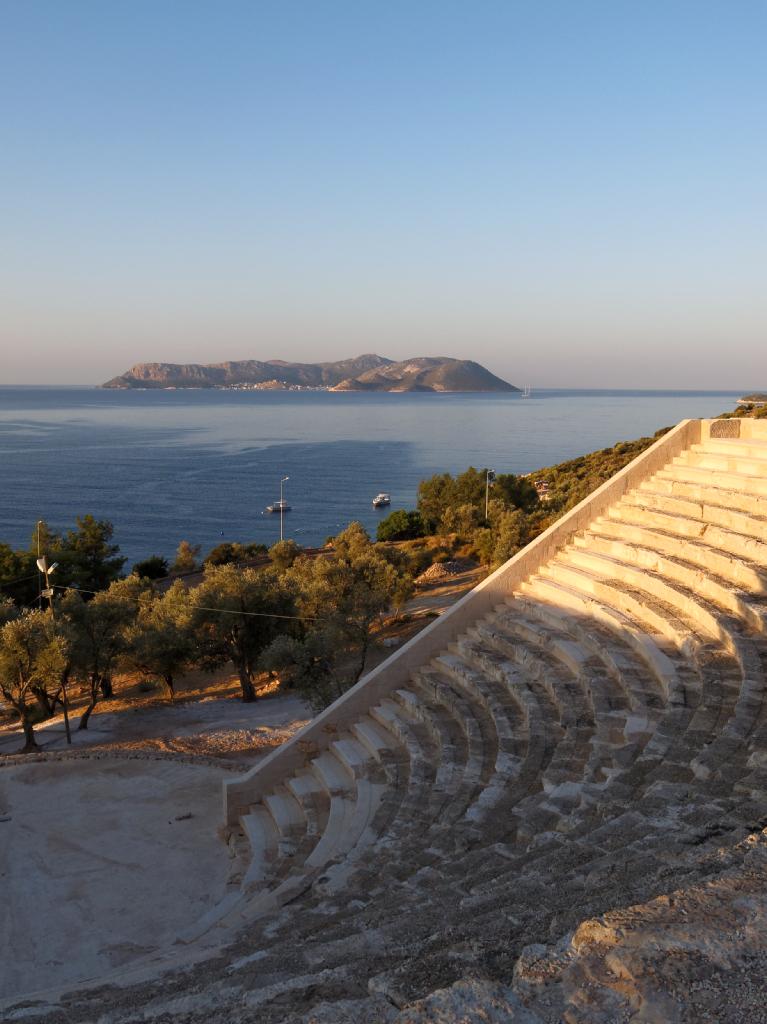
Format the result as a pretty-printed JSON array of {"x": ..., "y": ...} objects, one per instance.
[{"x": 21, "y": 579}]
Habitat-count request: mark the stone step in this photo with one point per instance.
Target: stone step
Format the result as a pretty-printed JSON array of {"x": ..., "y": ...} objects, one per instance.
[
  {"x": 738, "y": 569},
  {"x": 686, "y": 472},
  {"x": 639, "y": 692},
  {"x": 587, "y": 680},
  {"x": 673, "y": 482},
  {"x": 377, "y": 741},
  {"x": 686, "y": 721},
  {"x": 286, "y": 811},
  {"x": 353, "y": 755},
  {"x": 590, "y": 720},
  {"x": 483, "y": 801},
  {"x": 725, "y": 462},
  {"x": 723, "y": 529},
  {"x": 332, "y": 840},
  {"x": 452, "y": 724},
  {"x": 568, "y": 735},
  {"x": 333, "y": 775},
  {"x": 357, "y": 833},
  {"x": 262, "y": 834},
  {"x": 756, "y": 447},
  {"x": 730, "y": 616},
  {"x": 304, "y": 785},
  {"x": 416, "y": 739},
  {"x": 677, "y": 583},
  {"x": 313, "y": 798},
  {"x": 627, "y": 597},
  {"x": 470, "y": 669},
  {"x": 748, "y": 679},
  {"x": 444, "y": 710},
  {"x": 590, "y": 704},
  {"x": 648, "y": 645},
  {"x": 452, "y": 720}
]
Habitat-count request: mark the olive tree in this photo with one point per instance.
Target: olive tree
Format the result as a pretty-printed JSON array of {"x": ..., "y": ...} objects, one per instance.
[
  {"x": 236, "y": 613},
  {"x": 186, "y": 558},
  {"x": 160, "y": 641},
  {"x": 339, "y": 597},
  {"x": 33, "y": 656},
  {"x": 98, "y": 635}
]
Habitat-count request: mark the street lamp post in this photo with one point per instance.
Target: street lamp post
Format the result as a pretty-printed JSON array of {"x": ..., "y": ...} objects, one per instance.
[
  {"x": 283, "y": 480},
  {"x": 39, "y": 579},
  {"x": 46, "y": 570}
]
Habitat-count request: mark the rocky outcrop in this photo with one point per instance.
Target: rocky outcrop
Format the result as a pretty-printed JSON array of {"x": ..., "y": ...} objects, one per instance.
[
  {"x": 245, "y": 371},
  {"x": 427, "y": 374}
]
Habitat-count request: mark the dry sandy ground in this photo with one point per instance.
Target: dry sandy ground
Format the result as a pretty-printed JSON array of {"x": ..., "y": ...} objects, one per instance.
[
  {"x": 104, "y": 860},
  {"x": 209, "y": 727},
  {"x": 100, "y": 862}
]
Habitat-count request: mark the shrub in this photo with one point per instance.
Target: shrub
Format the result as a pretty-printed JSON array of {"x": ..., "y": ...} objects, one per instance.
[
  {"x": 284, "y": 553},
  {"x": 153, "y": 568},
  {"x": 401, "y": 525}
]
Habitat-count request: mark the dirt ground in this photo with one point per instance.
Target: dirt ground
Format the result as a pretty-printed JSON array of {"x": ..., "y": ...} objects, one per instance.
[{"x": 102, "y": 862}]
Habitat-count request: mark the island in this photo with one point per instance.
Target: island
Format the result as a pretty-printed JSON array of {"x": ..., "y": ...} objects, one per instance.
[{"x": 367, "y": 372}]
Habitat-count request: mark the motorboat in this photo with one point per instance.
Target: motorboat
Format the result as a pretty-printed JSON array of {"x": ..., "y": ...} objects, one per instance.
[
  {"x": 381, "y": 500},
  {"x": 279, "y": 506}
]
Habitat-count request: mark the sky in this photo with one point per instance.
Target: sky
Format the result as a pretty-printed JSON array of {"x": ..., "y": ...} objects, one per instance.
[{"x": 572, "y": 193}]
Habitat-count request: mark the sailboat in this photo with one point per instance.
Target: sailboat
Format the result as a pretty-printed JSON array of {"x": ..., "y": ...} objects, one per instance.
[{"x": 528, "y": 392}]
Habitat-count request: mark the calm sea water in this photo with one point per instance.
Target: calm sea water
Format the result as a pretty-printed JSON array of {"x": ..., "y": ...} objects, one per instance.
[{"x": 202, "y": 465}]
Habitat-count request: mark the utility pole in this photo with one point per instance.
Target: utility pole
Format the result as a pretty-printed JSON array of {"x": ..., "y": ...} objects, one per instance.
[
  {"x": 489, "y": 479},
  {"x": 40, "y": 578},
  {"x": 46, "y": 570}
]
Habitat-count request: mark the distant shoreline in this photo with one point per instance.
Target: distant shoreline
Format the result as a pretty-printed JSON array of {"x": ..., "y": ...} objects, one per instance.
[{"x": 537, "y": 391}]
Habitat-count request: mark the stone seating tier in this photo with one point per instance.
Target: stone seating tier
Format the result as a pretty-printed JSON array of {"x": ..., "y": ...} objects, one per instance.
[
  {"x": 632, "y": 648},
  {"x": 612, "y": 702},
  {"x": 583, "y": 732}
]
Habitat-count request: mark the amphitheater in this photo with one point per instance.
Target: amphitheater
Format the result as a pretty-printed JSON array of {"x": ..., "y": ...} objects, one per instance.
[{"x": 548, "y": 806}]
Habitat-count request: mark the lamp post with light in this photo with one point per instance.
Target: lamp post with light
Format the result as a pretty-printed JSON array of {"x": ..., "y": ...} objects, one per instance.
[
  {"x": 46, "y": 570},
  {"x": 283, "y": 480}
]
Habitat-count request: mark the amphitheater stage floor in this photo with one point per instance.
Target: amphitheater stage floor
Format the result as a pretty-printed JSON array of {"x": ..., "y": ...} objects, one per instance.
[{"x": 102, "y": 861}]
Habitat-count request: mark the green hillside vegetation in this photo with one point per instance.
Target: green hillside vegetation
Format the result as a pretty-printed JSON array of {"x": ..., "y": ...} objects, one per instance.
[{"x": 519, "y": 508}]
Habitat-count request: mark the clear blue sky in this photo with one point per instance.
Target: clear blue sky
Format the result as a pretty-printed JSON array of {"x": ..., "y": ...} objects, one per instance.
[{"x": 570, "y": 192}]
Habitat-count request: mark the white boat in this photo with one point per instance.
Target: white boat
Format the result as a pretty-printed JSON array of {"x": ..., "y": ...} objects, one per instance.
[
  {"x": 381, "y": 500},
  {"x": 527, "y": 393},
  {"x": 278, "y": 506}
]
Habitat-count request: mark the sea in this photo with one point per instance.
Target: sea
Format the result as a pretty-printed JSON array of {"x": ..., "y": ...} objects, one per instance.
[{"x": 202, "y": 465}]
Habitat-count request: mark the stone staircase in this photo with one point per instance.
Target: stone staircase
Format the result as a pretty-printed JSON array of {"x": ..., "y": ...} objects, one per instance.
[{"x": 583, "y": 732}]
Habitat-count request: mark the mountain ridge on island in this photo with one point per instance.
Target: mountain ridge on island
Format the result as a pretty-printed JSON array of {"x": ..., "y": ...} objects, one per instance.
[{"x": 368, "y": 372}]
